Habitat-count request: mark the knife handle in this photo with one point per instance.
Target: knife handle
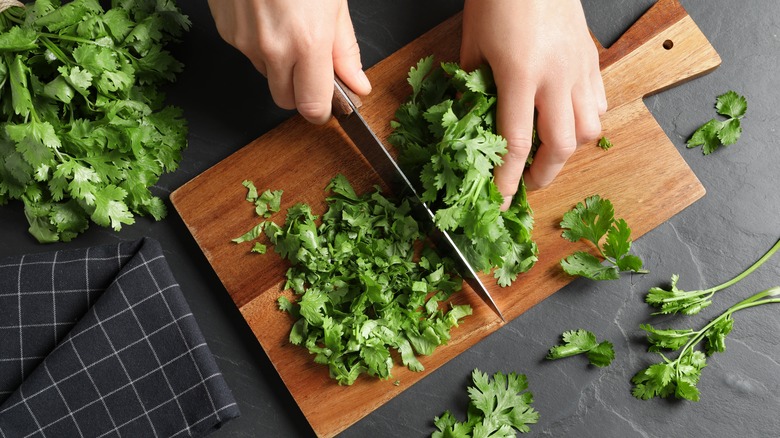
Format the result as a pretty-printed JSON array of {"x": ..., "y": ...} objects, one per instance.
[{"x": 343, "y": 99}]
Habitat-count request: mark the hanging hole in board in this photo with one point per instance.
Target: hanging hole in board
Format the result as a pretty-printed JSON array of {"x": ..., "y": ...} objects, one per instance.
[{"x": 668, "y": 44}]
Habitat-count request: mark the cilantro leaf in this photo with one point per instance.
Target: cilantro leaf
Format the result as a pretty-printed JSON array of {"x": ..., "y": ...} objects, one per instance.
[
  {"x": 583, "y": 342},
  {"x": 592, "y": 220},
  {"x": 716, "y": 133},
  {"x": 604, "y": 143},
  {"x": 500, "y": 407}
]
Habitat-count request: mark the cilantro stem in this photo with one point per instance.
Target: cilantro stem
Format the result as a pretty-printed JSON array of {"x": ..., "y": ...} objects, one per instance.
[
  {"x": 756, "y": 300},
  {"x": 54, "y": 49},
  {"x": 711, "y": 291}
]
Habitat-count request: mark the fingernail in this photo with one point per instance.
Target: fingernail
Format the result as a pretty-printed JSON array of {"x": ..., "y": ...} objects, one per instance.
[{"x": 363, "y": 79}]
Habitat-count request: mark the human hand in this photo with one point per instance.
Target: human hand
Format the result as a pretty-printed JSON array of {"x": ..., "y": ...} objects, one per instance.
[
  {"x": 543, "y": 58},
  {"x": 297, "y": 45}
]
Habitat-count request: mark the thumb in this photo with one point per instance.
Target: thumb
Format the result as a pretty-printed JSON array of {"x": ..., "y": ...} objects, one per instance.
[{"x": 346, "y": 55}]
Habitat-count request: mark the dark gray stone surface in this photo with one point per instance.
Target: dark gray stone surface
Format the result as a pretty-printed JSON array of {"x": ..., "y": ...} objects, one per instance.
[{"x": 228, "y": 105}]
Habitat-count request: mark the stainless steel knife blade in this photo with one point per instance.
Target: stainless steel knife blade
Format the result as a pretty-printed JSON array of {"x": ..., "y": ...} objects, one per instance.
[{"x": 345, "y": 109}]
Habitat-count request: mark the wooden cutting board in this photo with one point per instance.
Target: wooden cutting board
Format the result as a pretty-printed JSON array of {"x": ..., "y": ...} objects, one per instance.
[{"x": 643, "y": 175}]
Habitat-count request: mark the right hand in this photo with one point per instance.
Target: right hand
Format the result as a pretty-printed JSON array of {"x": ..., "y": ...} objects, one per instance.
[{"x": 297, "y": 45}]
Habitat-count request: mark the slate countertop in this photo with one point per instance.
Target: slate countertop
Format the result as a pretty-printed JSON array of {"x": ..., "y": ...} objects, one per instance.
[{"x": 228, "y": 105}]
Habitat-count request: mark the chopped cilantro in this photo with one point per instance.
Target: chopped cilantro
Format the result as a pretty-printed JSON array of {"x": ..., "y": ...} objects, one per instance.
[
  {"x": 581, "y": 341},
  {"x": 716, "y": 133},
  {"x": 500, "y": 407},
  {"x": 363, "y": 288},
  {"x": 604, "y": 143},
  {"x": 446, "y": 137},
  {"x": 593, "y": 220},
  {"x": 84, "y": 132}
]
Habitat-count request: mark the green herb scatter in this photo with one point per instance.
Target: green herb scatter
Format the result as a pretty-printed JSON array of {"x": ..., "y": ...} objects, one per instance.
[
  {"x": 679, "y": 377},
  {"x": 716, "y": 133},
  {"x": 581, "y": 341},
  {"x": 593, "y": 220},
  {"x": 500, "y": 407},
  {"x": 362, "y": 288},
  {"x": 85, "y": 132},
  {"x": 677, "y": 300},
  {"x": 445, "y": 136},
  {"x": 604, "y": 143}
]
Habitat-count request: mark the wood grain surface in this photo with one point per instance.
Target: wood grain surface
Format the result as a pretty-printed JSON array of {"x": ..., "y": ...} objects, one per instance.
[{"x": 643, "y": 175}]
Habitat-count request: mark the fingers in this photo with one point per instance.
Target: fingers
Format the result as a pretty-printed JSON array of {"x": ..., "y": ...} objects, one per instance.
[
  {"x": 346, "y": 55},
  {"x": 555, "y": 125},
  {"x": 313, "y": 86},
  {"x": 515, "y": 118}
]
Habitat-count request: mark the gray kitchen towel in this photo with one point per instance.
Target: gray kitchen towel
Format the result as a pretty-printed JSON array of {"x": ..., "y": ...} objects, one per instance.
[{"x": 100, "y": 342}]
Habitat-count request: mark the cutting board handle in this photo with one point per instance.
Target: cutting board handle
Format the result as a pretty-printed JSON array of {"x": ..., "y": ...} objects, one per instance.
[{"x": 662, "y": 49}]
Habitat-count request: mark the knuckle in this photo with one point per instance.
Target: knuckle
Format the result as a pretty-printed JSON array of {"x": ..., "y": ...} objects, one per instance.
[
  {"x": 314, "y": 111},
  {"x": 589, "y": 132}
]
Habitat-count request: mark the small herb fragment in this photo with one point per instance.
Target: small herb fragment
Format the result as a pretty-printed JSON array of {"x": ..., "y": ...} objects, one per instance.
[
  {"x": 84, "y": 130},
  {"x": 362, "y": 289},
  {"x": 500, "y": 407},
  {"x": 581, "y": 341},
  {"x": 679, "y": 377},
  {"x": 446, "y": 138},
  {"x": 265, "y": 206},
  {"x": 716, "y": 133},
  {"x": 592, "y": 220},
  {"x": 692, "y": 302},
  {"x": 604, "y": 143}
]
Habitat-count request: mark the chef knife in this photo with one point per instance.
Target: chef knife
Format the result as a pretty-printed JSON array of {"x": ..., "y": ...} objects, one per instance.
[{"x": 345, "y": 109}]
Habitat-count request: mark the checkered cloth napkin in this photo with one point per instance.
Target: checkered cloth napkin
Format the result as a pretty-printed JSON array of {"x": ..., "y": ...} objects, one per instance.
[{"x": 100, "y": 342}]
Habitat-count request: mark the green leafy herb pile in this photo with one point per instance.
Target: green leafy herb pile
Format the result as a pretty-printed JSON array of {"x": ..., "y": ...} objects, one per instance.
[
  {"x": 445, "y": 135},
  {"x": 679, "y": 377},
  {"x": 717, "y": 133},
  {"x": 582, "y": 341},
  {"x": 364, "y": 287},
  {"x": 85, "y": 132},
  {"x": 500, "y": 407},
  {"x": 677, "y": 300},
  {"x": 592, "y": 220}
]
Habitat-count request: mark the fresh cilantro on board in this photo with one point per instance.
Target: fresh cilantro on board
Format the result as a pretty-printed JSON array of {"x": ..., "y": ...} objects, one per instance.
[
  {"x": 593, "y": 220},
  {"x": 366, "y": 288},
  {"x": 500, "y": 407},
  {"x": 85, "y": 132},
  {"x": 581, "y": 341},
  {"x": 716, "y": 133},
  {"x": 446, "y": 138},
  {"x": 677, "y": 300},
  {"x": 679, "y": 377},
  {"x": 604, "y": 143}
]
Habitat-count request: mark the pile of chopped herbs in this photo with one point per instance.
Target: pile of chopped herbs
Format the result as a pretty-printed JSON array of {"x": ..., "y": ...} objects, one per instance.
[
  {"x": 365, "y": 283},
  {"x": 446, "y": 138},
  {"x": 84, "y": 130}
]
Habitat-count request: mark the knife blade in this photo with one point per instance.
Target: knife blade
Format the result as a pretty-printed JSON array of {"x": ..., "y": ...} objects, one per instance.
[{"x": 345, "y": 106}]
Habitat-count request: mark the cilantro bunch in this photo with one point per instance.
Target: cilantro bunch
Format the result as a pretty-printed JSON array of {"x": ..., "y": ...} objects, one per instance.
[
  {"x": 363, "y": 289},
  {"x": 84, "y": 131},
  {"x": 446, "y": 138},
  {"x": 500, "y": 407},
  {"x": 679, "y": 377}
]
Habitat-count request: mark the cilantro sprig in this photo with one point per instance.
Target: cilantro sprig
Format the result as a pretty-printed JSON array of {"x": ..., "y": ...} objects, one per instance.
[
  {"x": 718, "y": 133},
  {"x": 500, "y": 407},
  {"x": 84, "y": 131},
  {"x": 675, "y": 300},
  {"x": 593, "y": 220},
  {"x": 680, "y": 376},
  {"x": 584, "y": 342},
  {"x": 361, "y": 288},
  {"x": 446, "y": 138}
]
